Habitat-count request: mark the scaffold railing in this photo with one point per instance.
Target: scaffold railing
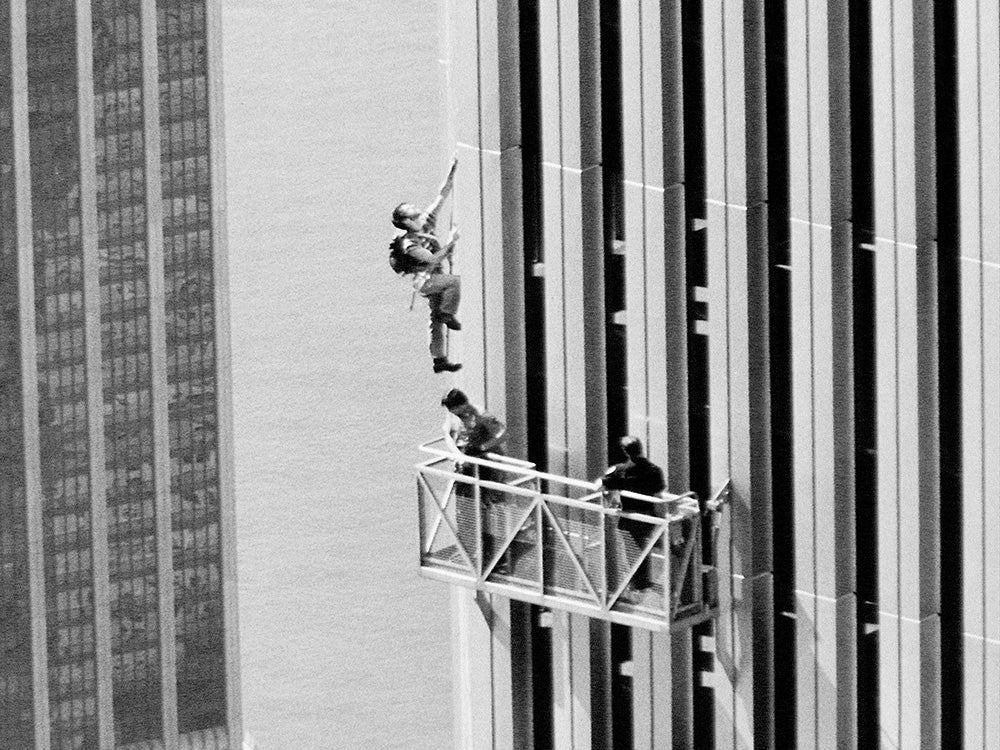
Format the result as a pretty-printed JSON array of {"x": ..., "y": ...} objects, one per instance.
[{"x": 497, "y": 524}]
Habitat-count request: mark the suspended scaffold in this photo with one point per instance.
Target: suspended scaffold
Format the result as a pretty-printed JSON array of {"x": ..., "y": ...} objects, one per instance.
[{"x": 498, "y": 525}]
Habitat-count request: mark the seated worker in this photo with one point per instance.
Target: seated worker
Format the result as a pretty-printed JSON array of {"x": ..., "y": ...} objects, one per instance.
[
  {"x": 639, "y": 475},
  {"x": 426, "y": 254},
  {"x": 475, "y": 433}
]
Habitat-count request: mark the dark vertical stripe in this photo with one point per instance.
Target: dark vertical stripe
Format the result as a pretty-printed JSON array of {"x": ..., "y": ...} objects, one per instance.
[
  {"x": 534, "y": 321},
  {"x": 780, "y": 339},
  {"x": 603, "y": 668},
  {"x": 612, "y": 159},
  {"x": 865, "y": 435},
  {"x": 949, "y": 369},
  {"x": 512, "y": 221},
  {"x": 696, "y": 263},
  {"x": 754, "y": 333},
  {"x": 531, "y": 147},
  {"x": 696, "y": 249}
]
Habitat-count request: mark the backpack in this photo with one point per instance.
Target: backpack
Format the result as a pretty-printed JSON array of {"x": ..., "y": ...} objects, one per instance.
[{"x": 401, "y": 261}]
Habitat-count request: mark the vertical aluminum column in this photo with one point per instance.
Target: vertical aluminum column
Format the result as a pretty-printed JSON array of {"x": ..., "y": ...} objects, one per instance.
[
  {"x": 736, "y": 186},
  {"x": 488, "y": 208},
  {"x": 906, "y": 366},
  {"x": 505, "y": 313},
  {"x": 223, "y": 373},
  {"x": 821, "y": 314},
  {"x": 571, "y": 175},
  {"x": 473, "y": 666},
  {"x": 481, "y": 79},
  {"x": 158, "y": 375},
  {"x": 95, "y": 393},
  {"x": 653, "y": 114},
  {"x": 979, "y": 182},
  {"x": 29, "y": 370},
  {"x": 655, "y": 231},
  {"x": 574, "y": 329}
]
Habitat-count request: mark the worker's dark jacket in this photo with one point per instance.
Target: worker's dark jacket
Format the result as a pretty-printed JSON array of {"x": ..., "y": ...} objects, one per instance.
[{"x": 639, "y": 476}]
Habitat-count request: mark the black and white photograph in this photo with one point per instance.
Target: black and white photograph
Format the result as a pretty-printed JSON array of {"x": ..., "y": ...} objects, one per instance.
[{"x": 500, "y": 374}]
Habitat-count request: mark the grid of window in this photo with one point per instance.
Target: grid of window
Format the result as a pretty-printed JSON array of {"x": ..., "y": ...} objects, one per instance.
[
  {"x": 55, "y": 189},
  {"x": 125, "y": 347},
  {"x": 190, "y": 329},
  {"x": 16, "y": 711}
]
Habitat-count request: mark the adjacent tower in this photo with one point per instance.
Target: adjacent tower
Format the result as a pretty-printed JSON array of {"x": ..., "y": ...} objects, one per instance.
[
  {"x": 762, "y": 236},
  {"x": 117, "y": 548}
]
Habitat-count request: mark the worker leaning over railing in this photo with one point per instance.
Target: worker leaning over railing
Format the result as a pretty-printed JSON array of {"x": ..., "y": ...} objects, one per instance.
[
  {"x": 472, "y": 432},
  {"x": 469, "y": 430}
]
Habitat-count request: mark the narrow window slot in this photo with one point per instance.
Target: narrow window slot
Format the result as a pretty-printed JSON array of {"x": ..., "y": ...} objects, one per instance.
[
  {"x": 949, "y": 369},
  {"x": 693, "y": 74},
  {"x": 616, "y": 369},
  {"x": 534, "y": 321},
  {"x": 866, "y": 487},
  {"x": 780, "y": 339}
]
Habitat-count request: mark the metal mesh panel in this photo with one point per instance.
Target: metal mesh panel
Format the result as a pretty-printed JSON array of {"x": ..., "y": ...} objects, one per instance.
[
  {"x": 526, "y": 552},
  {"x": 429, "y": 520},
  {"x": 622, "y": 554},
  {"x": 647, "y": 591},
  {"x": 439, "y": 547},
  {"x": 469, "y": 532},
  {"x": 586, "y": 536},
  {"x": 568, "y": 536},
  {"x": 502, "y": 514},
  {"x": 685, "y": 565},
  {"x": 628, "y": 560}
]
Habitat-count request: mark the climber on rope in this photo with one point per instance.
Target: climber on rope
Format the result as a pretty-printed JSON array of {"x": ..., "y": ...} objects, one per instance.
[{"x": 419, "y": 253}]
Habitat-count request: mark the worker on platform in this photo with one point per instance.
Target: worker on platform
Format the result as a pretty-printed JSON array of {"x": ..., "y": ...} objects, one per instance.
[
  {"x": 476, "y": 433},
  {"x": 639, "y": 475},
  {"x": 471, "y": 431},
  {"x": 418, "y": 252}
]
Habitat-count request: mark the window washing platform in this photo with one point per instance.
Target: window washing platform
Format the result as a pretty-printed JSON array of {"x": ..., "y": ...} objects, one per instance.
[{"x": 498, "y": 525}]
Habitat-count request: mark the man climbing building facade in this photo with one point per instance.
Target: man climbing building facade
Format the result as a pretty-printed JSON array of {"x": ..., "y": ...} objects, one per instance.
[{"x": 419, "y": 253}]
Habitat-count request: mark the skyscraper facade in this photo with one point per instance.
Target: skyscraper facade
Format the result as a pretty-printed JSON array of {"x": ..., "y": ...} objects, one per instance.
[
  {"x": 761, "y": 236},
  {"x": 117, "y": 581}
]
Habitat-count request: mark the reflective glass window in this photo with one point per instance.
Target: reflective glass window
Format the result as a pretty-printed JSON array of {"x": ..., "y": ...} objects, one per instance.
[
  {"x": 63, "y": 418},
  {"x": 191, "y": 365},
  {"x": 125, "y": 348}
]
